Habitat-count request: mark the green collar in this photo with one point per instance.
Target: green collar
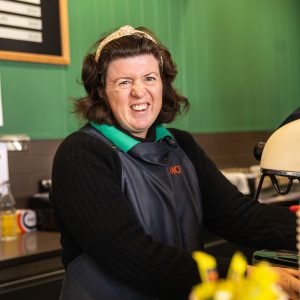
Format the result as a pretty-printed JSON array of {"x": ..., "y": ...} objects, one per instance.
[{"x": 123, "y": 141}]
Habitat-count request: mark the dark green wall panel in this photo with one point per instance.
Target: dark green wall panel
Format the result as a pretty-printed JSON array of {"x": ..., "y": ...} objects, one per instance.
[{"x": 238, "y": 63}]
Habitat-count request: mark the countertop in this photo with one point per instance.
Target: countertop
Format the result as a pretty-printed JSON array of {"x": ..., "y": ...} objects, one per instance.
[
  {"x": 28, "y": 247},
  {"x": 31, "y": 255}
]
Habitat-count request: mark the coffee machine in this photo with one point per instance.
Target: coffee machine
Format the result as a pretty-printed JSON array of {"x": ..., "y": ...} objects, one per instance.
[{"x": 280, "y": 157}]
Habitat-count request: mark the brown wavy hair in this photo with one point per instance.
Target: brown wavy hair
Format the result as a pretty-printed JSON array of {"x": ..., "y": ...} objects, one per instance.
[{"x": 94, "y": 106}]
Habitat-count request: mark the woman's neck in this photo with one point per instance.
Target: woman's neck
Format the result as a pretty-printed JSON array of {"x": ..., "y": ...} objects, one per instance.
[{"x": 150, "y": 137}]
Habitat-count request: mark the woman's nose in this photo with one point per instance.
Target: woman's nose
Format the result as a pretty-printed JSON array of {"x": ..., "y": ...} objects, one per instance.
[{"x": 138, "y": 90}]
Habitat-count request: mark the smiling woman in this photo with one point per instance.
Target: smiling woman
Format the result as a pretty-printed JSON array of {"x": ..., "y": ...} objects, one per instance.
[{"x": 132, "y": 197}]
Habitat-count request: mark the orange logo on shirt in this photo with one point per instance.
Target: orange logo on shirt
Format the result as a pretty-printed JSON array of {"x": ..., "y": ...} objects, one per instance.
[{"x": 174, "y": 170}]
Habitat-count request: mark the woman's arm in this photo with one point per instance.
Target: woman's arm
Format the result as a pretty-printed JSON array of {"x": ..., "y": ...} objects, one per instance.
[{"x": 233, "y": 216}]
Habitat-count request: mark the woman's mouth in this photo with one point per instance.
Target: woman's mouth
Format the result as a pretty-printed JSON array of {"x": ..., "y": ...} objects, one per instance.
[{"x": 140, "y": 107}]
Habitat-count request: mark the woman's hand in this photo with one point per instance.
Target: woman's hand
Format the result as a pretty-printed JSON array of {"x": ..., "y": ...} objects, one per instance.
[{"x": 288, "y": 280}]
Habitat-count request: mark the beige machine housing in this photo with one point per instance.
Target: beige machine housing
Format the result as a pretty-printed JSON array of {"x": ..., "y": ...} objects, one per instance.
[{"x": 281, "y": 152}]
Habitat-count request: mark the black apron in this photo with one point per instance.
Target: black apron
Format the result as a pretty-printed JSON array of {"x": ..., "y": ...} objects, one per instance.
[{"x": 161, "y": 183}]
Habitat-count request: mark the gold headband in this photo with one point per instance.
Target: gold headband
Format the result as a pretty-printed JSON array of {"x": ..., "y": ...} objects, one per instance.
[{"x": 123, "y": 31}]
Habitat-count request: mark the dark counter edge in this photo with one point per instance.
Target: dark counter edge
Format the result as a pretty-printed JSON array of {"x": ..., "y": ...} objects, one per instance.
[{"x": 29, "y": 258}]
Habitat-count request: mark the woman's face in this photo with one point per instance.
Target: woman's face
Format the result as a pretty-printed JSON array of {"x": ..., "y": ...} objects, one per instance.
[{"x": 134, "y": 92}]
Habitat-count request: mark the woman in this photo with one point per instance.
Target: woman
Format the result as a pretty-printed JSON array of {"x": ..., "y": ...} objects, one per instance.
[{"x": 131, "y": 197}]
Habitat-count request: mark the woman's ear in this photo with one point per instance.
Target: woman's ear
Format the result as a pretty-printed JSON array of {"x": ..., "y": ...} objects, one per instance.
[{"x": 101, "y": 92}]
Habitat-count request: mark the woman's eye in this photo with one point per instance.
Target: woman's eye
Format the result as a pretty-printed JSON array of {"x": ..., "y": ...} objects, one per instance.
[
  {"x": 124, "y": 83},
  {"x": 150, "y": 78}
]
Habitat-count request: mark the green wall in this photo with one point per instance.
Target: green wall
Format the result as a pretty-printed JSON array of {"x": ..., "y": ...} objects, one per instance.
[{"x": 238, "y": 63}]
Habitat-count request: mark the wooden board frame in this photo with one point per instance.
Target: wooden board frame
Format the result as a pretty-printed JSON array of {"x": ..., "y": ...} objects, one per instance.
[{"x": 63, "y": 58}]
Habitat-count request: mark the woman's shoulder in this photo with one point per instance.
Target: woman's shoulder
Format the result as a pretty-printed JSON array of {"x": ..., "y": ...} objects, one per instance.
[
  {"x": 179, "y": 132},
  {"x": 184, "y": 138},
  {"x": 189, "y": 145},
  {"x": 81, "y": 142}
]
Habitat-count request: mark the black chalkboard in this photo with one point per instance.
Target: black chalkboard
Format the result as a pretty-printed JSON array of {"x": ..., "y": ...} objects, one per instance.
[{"x": 34, "y": 31}]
